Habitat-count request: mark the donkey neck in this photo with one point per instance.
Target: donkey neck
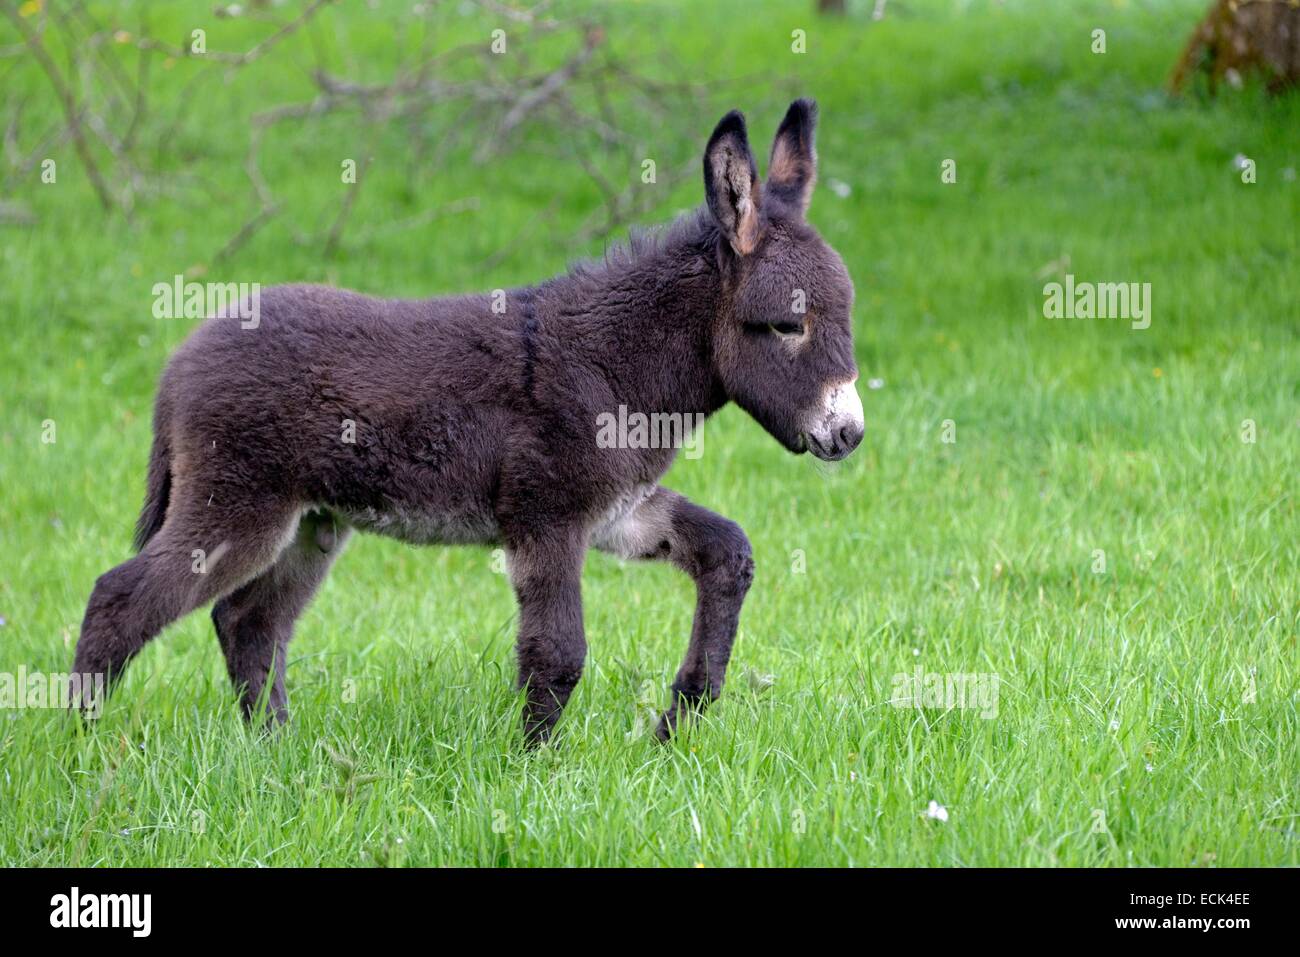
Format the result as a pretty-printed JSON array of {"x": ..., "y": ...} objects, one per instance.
[{"x": 643, "y": 320}]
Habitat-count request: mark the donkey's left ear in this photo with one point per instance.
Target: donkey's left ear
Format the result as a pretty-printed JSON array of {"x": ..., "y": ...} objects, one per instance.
[
  {"x": 792, "y": 170},
  {"x": 731, "y": 183}
]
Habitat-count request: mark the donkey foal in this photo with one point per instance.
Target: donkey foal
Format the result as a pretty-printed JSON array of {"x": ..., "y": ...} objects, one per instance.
[{"x": 449, "y": 421}]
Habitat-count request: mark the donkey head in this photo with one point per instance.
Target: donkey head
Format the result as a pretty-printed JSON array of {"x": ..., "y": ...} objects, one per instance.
[{"x": 783, "y": 338}]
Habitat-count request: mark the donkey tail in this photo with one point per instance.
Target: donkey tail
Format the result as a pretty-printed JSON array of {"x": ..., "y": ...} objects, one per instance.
[{"x": 158, "y": 484}]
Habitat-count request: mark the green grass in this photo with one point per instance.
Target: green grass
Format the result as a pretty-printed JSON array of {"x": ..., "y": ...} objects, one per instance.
[{"x": 1125, "y": 694}]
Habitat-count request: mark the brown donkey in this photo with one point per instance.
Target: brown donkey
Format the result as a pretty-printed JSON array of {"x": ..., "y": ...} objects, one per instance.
[{"x": 473, "y": 419}]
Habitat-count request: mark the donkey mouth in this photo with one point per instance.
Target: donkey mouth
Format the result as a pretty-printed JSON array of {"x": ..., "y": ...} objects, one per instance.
[
  {"x": 827, "y": 453},
  {"x": 829, "y": 449}
]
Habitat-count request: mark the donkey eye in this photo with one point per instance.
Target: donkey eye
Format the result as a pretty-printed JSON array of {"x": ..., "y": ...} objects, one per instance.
[{"x": 786, "y": 328}]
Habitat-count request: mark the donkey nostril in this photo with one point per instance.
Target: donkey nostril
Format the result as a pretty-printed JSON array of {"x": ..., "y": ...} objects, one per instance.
[{"x": 849, "y": 437}]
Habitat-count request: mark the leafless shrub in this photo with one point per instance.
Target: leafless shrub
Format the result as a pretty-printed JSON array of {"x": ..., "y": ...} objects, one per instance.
[{"x": 475, "y": 100}]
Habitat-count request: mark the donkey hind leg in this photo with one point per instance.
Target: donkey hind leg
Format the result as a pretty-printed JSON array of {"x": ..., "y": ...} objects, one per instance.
[
  {"x": 255, "y": 623},
  {"x": 715, "y": 552},
  {"x": 202, "y": 552},
  {"x": 547, "y": 579}
]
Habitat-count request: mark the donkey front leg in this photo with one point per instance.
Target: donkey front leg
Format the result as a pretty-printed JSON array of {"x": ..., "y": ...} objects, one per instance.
[
  {"x": 715, "y": 552},
  {"x": 547, "y": 579}
]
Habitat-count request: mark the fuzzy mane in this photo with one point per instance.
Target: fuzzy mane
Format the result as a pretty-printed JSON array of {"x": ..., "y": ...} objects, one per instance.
[{"x": 694, "y": 228}]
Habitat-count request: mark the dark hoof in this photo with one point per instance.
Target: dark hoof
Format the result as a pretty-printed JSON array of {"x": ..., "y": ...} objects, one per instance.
[
  {"x": 686, "y": 707},
  {"x": 672, "y": 721},
  {"x": 538, "y": 730},
  {"x": 86, "y": 703},
  {"x": 268, "y": 727},
  {"x": 665, "y": 729}
]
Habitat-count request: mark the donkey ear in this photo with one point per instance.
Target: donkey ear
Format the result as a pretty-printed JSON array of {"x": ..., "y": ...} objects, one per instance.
[
  {"x": 731, "y": 183},
  {"x": 793, "y": 167}
]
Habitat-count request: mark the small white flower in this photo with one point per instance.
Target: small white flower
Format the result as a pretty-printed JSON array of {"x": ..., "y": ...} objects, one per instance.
[
  {"x": 936, "y": 812},
  {"x": 840, "y": 188},
  {"x": 875, "y": 383},
  {"x": 1114, "y": 725},
  {"x": 1240, "y": 161},
  {"x": 916, "y": 652}
]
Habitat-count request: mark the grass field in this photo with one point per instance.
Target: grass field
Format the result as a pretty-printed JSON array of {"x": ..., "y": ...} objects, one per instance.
[{"x": 1100, "y": 535}]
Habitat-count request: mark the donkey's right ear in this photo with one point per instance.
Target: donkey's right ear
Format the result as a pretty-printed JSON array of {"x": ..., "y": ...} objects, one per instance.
[
  {"x": 793, "y": 168},
  {"x": 731, "y": 183}
]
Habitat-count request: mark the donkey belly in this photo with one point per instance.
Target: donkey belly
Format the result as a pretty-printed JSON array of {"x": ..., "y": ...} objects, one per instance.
[
  {"x": 426, "y": 527},
  {"x": 423, "y": 474}
]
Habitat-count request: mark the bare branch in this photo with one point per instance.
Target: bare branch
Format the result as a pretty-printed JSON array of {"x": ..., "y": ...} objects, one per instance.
[
  {"x": 539, "y": 95},
  {"x": 349, "y": 199},
  {"x": 66, "y": 100},
  {"x": 258, "y": 50},
  {"x": 246, "y": 232}
]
